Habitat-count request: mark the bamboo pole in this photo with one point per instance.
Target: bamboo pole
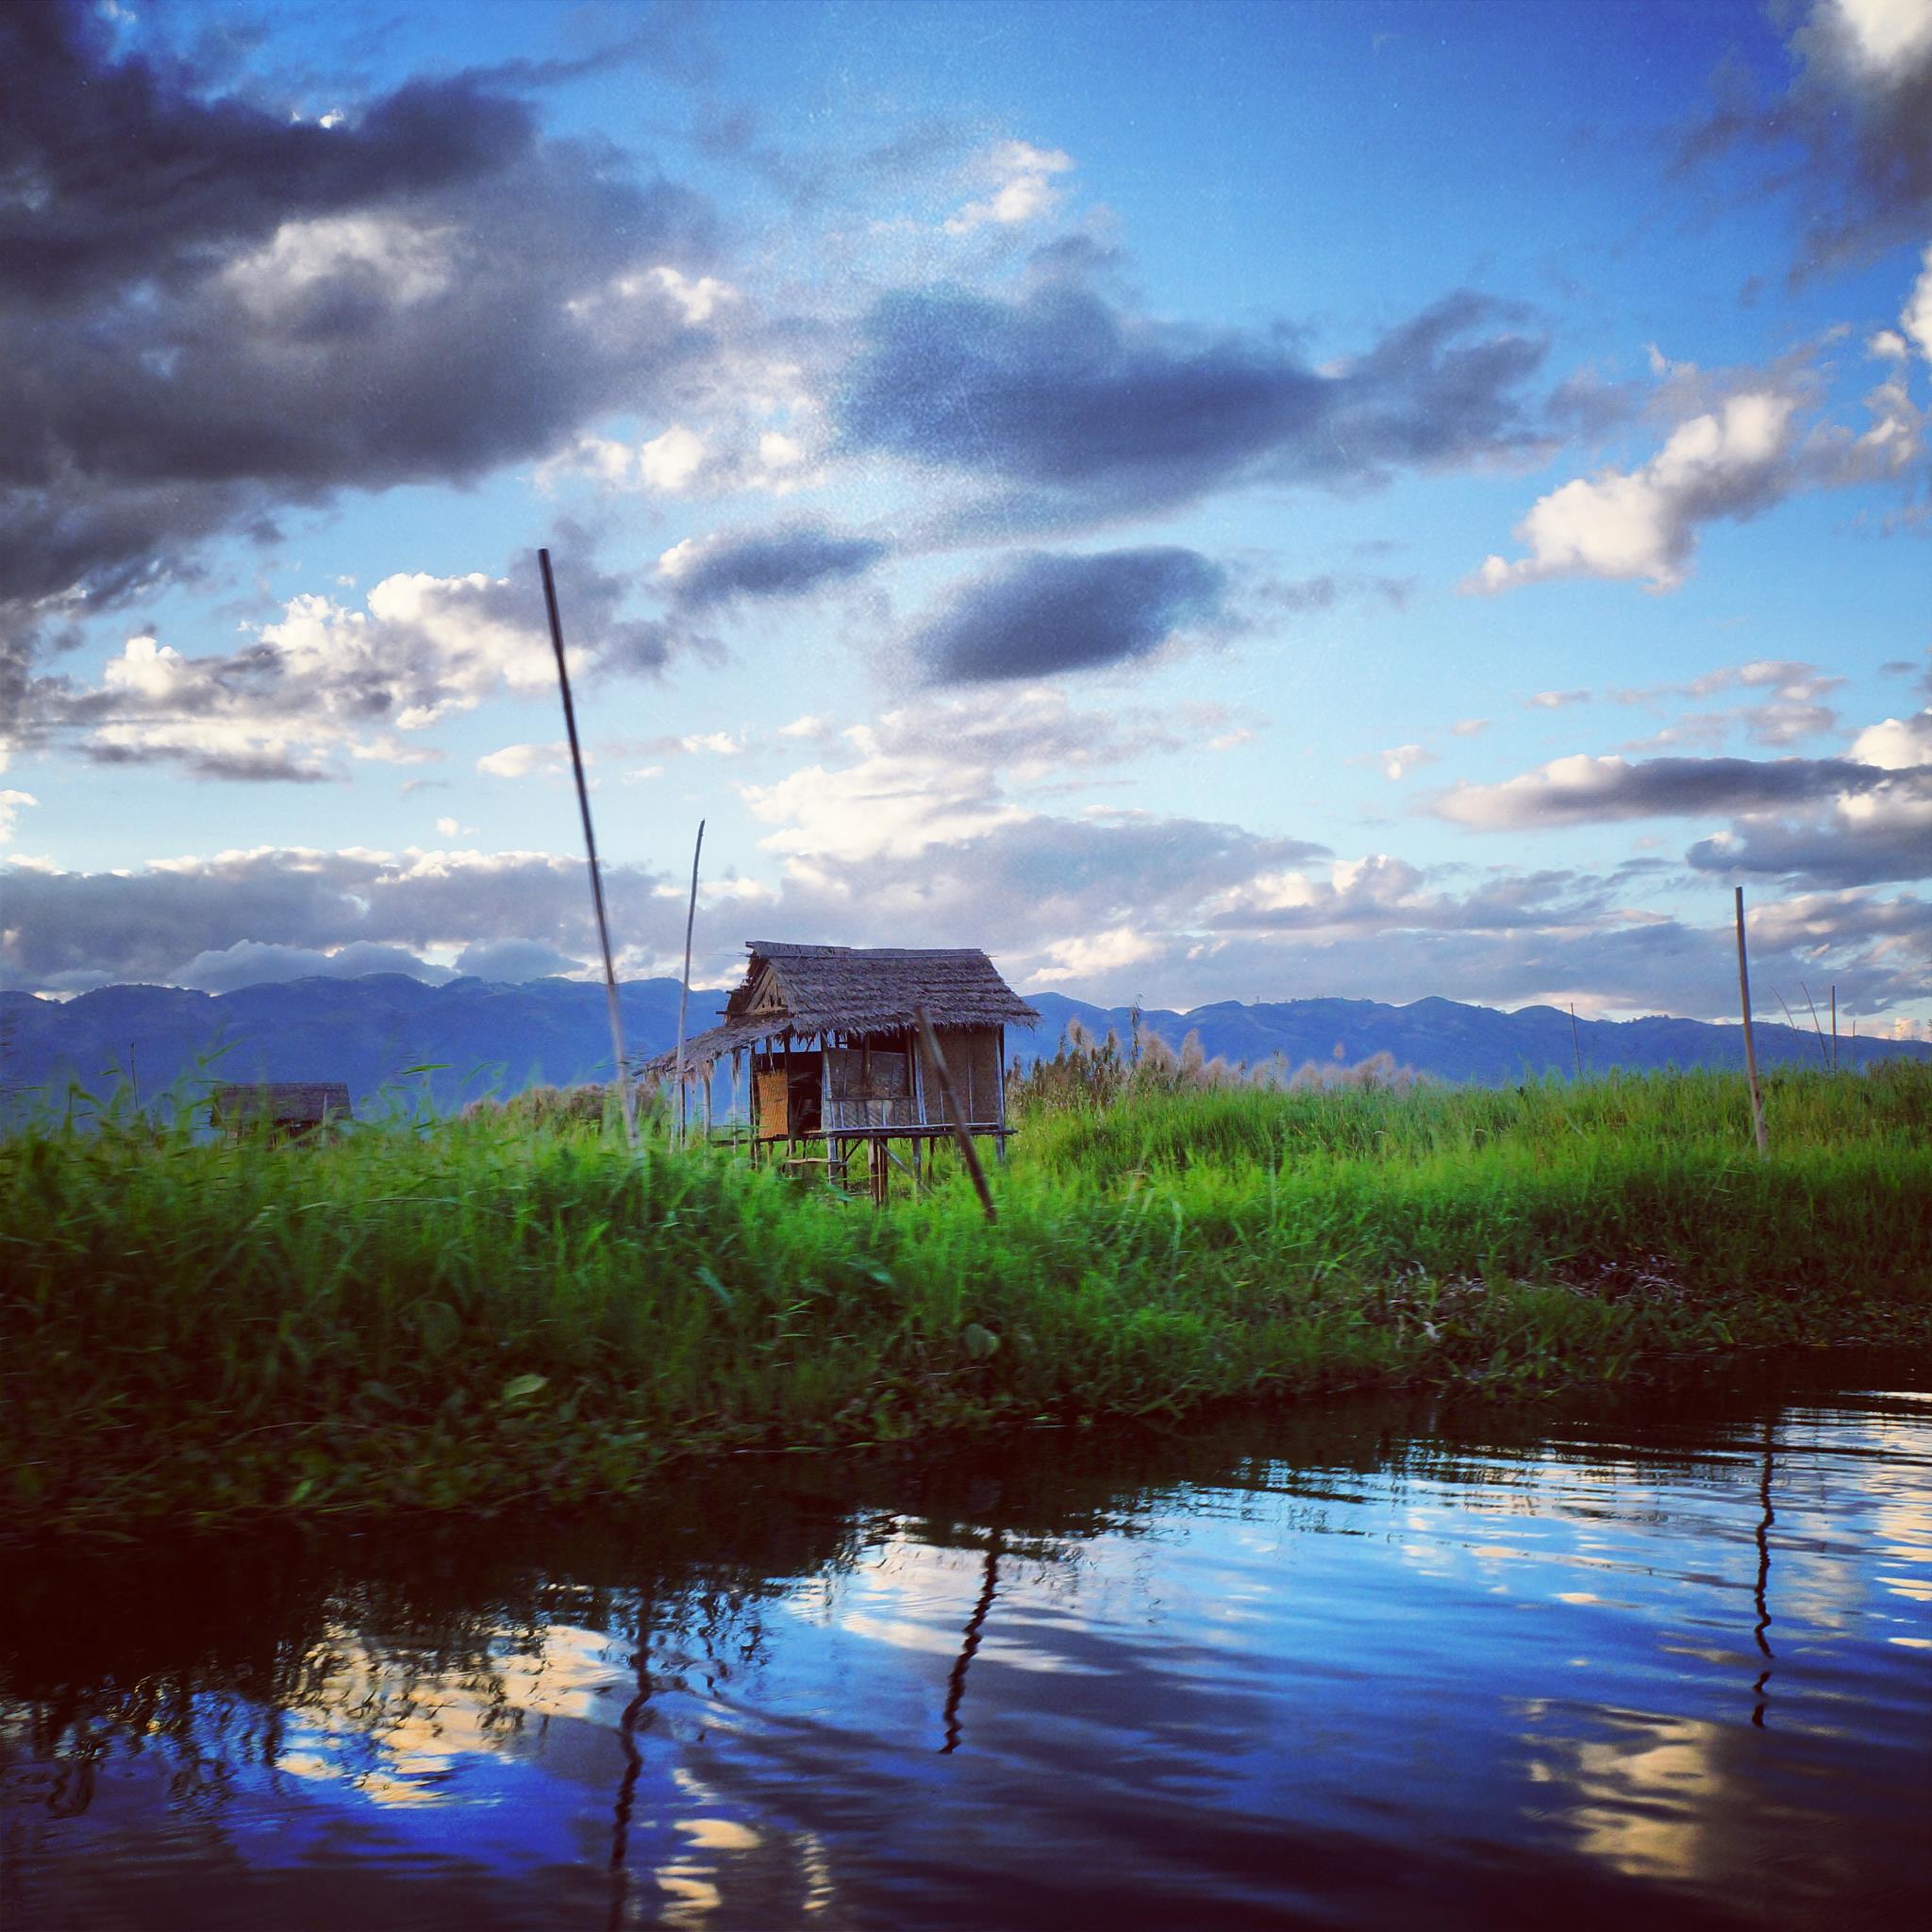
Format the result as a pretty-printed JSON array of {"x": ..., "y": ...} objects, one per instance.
[
  {"x": 1834, "y": 1026},
  {"x": 1575, "y": 1041},
  {"x": 954, "y": 1112},
  {"x": 577, "y": 760},
  {"x": 684, "y": 984},
  {"x": 1749, "y": 1043}
]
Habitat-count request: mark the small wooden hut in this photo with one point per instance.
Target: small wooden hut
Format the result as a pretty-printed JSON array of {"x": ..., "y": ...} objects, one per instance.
[
  {"x": 832, "y": 1039},
  {"x": 285, "y": 1108}
]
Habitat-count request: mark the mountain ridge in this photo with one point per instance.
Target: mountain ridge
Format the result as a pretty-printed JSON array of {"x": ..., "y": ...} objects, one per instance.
[{"x": 468, "y": 1037}]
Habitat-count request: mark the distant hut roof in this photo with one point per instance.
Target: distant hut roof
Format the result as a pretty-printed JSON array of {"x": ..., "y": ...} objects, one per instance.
[
  {"x": 282, "y": 1103},
  {"x": 790, "y": 989}
]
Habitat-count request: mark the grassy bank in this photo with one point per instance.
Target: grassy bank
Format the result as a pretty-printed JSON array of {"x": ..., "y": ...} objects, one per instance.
[{"x": 458, "y": 1315}]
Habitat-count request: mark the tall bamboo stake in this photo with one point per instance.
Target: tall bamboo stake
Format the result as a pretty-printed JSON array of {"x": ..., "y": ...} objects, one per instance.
[
  {"x": 1834, "y": 1026},
  {"x": 1574, "y": 1040},
  {"x": 684, "y": 990},
  {"x": 1749, "y": 1043},
  {"x": 577, "y": 759}
]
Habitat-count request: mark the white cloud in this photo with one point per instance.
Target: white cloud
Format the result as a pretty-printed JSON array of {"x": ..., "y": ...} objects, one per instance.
[
  {"x": 697, "y": 297},
  {"x": 891, "y": 807},
  {"x": 1886, "y": 36},
  {"x": 734, "y": 453},
  {"x": 1795, "y": 708},
  {"x": 11, "y": 804},
  {"x": 1643, "y": 523},
  {"x": 1093, "y": 957},
  {"x": 1399, "y": 761},
  {"x": 378, "y": 257},
  {"x": 1023, "y": 177},
  {"x": 1895, "y": 744},
  {"x": 1916, "y": 318},
  {"x": 521, "y": 760},
  {"x": 1555, "y": 700},
  {"x": 328, "y": 679},
  {"x": 668, "y": 462}
]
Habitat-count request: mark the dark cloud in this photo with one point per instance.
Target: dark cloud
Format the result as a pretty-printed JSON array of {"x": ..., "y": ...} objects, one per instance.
[
  {"x": 1850, "y": 135},
  {"x": 782, "y": 562},
  {"x": 1892, "y": 839},
  {"x": 1296, "y": 597},
  {"x": 207, "y": 311},
  {"x": 1040, "y": 613},
  {"x": 123, "y": 171},
  {"x": 1594, "y": 791},
  {"x": 1090, "y": 412}
]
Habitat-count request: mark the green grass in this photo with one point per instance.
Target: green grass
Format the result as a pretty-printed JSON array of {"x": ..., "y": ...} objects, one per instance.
[{"x": 462, "y": 1314}]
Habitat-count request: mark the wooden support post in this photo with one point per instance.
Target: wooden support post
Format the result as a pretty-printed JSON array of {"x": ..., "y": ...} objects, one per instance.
[
  {"x": 1834, "y": 1026},
  {"x": 1750, "y": 1042},
  {"x": 1576, "y": 1039},
  {"x": 967, "y": 1151}
]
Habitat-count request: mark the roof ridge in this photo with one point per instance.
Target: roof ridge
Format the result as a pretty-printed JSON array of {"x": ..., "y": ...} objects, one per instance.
[{"x": 779, "y": 949}]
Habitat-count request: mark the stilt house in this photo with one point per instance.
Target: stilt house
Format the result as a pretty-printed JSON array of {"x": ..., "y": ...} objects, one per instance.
[
  {"x": 287, "y": 1109},
  {"x": 832, "y": 1039}
]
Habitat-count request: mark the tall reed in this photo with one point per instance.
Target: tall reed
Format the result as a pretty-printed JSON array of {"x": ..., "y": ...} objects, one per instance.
[{"x": 452, "y": 1314}]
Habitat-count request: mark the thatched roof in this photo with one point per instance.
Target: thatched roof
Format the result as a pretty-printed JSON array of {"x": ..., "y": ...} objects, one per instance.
[
  {"x": 282, "y": 1103},
  {"x": 852, "y": 988}
]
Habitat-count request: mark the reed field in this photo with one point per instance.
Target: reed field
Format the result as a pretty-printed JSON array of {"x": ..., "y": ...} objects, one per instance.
[{"x": 461, "y": 1314}]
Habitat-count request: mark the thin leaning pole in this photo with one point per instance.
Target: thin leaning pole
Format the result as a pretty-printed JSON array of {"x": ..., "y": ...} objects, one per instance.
[
  {"x": 684, "y": 992},
  {"x": 1749, "y": 1043},
  {"x": 1824, "y": 1057},
  {"x": 953, "y": 1111},
  {"x": 577, "y": 759}
]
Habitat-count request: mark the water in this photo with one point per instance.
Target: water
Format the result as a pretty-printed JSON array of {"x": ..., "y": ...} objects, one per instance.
[{"x": 1368, "y": 1665}]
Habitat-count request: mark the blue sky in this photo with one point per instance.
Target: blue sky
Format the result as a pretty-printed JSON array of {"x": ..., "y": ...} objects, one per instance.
[{"x": 1234, "y": 501}]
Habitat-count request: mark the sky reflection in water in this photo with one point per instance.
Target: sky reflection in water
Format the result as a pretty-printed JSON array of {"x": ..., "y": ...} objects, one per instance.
[{"x": 1359, "y": 1665}]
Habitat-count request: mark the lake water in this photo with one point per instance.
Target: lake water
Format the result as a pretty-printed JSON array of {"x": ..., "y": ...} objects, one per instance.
[{"x": 1371, "y": 1664}]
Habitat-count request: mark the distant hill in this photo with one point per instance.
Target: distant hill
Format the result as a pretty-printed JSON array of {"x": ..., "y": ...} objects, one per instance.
[
  {"x": 477, "y": 1036},
  {"x": 1476, "y": 1044}
]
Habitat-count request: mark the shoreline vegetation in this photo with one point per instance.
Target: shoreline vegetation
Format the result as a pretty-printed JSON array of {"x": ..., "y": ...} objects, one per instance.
[{"x": 466, "y": 1314}]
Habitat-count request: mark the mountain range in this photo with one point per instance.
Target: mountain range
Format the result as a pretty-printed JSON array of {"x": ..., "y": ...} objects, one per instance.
[{"x": 386, "y": 1033}]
